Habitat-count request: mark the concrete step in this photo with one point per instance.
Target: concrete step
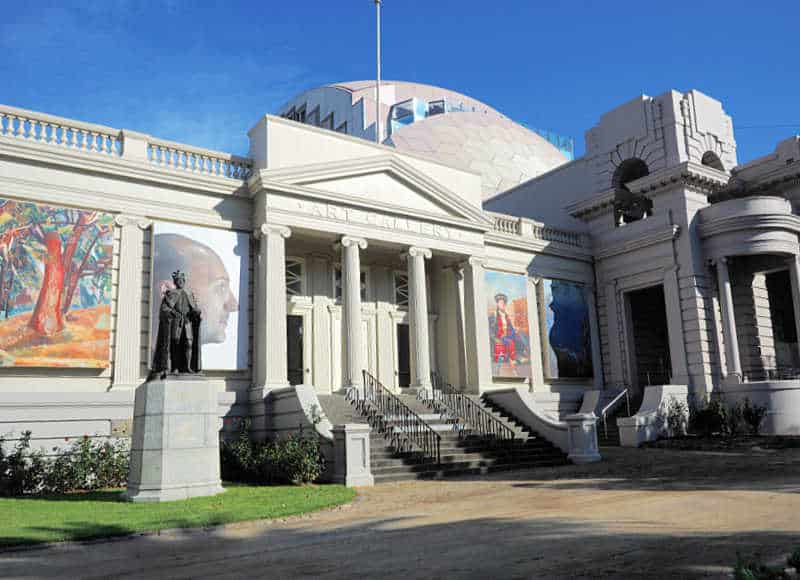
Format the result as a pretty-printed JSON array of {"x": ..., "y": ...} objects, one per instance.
[{"x": 461, "y": 471}]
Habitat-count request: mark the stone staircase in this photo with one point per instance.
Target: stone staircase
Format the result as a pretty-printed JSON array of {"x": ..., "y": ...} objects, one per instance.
[{"x": 460, "y": 452}]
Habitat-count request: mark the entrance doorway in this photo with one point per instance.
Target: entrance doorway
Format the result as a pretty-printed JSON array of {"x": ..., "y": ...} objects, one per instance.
[
  {"x": 649, "y": 339},
  {"x": 784, "y": 329},
  {"x": 403, "y": 356},
  {"x": 294, "y": 349}
]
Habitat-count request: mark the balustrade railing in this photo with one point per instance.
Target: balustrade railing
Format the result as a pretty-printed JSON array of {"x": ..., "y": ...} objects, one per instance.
[
  {"x": 459, "y": 407},
  {"x": 516, "y": 226},
  {"x": 196, "y": 160},
  {"x": 42, "y": 129},
  {"x": 49, "y": 130},
  {"x": 406, "y": 431}
]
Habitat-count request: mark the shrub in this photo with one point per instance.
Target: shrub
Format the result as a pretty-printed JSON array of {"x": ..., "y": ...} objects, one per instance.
[
  {"x": 676, "y": 417},
  {"x": 296, "y": 459},
  {"x": 22, "y": 470},
  {"x": 733, "y": 421},
  {"x": 85, "y": 465},
  {"x": 708, "y": 419},
  {"x": 754, "y": 569},
  {"x": 753, "y": 415},
  {"x": 794, "y": 559}
]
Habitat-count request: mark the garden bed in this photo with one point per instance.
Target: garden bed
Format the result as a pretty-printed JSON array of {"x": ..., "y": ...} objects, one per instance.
[
  {"x": 739, "y": 443},
  {"x": 101, "y": 514}
]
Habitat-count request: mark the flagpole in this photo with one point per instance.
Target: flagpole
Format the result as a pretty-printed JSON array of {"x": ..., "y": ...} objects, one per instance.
[{"x": 378, "y": 77}]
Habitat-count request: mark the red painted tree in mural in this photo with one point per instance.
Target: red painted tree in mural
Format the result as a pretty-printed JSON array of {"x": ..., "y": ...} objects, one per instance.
[{"x": 61, "y": 273}]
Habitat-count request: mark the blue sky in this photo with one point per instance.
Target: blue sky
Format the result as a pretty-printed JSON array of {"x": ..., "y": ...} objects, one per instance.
[{"x": 203, "y": 71}]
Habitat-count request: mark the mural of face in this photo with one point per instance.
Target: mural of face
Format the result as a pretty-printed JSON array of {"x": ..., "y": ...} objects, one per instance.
[{"x": 206, "y": 278}]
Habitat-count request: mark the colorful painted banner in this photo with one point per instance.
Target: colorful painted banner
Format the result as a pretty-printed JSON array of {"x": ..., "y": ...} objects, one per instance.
[
  {"x": 216, "y": 263},
  {"x": 569, "y": 347},
  {"x": 509, "y": 335},
  {"x": 55, "y": 286}
]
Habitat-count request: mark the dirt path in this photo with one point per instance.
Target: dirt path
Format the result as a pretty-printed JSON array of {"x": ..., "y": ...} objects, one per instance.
[{"x": 642, "y": 513}]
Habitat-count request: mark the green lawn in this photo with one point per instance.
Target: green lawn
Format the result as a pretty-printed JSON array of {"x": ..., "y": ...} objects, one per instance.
[{"x": 82, "y": 516}]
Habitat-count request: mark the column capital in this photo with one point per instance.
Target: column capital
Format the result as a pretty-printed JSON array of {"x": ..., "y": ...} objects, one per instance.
[
  {"x": 535, "y": 280},
  {"x": 124, "y": 220},
  {"x": 475, "y": 262},
  {"x": 414, "y": 251},
  {"x": 272, "y": 229},
  {"x": 347, "y": 241}
]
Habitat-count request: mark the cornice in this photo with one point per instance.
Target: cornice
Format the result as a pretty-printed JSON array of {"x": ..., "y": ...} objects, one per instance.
[
  {"x": 117, "y": 167},
  {"x": 538, "y": 246},
  {"x": 665, "y": 233},
  {"x": 726, "y": 225},
  {"x": 699, "y": 178}
]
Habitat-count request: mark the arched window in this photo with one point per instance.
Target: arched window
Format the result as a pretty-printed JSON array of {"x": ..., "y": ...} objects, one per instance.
[
  {"x": 711, "y": 159},
  {"x": 628, "y": 206}
]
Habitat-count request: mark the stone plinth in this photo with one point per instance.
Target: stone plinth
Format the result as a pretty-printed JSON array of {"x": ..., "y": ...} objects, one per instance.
[
  {"x": 582, "y": 434},
  {"x": 175, "y": 442},
  {"x": 351, "y": 455}
]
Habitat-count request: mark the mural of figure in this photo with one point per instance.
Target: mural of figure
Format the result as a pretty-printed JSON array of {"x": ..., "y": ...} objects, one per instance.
[
  {"x": 568, "y": 330},
  {"x": 508, "y": 324},
  {"x": 178, "y": 343},
  {"x": 504, "y": 333},
  {"x": 216, "y": 277}
]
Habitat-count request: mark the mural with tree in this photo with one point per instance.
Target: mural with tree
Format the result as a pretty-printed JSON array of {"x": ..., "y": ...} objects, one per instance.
[{"x": 55, "y": 285}]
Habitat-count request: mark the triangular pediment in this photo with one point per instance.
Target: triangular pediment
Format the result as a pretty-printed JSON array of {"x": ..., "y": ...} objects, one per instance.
[{"x": 385, "y": 181}]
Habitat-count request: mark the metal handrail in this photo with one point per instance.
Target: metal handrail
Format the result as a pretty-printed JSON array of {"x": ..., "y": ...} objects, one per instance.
[
  {"x": 614, "y": 401},
  {"x": 477, "y": 420},
  {"x": 406, "y": 430}
]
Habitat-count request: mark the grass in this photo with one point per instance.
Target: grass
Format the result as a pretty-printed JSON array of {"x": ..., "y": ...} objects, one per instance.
[{"x": 101, "y": 514}]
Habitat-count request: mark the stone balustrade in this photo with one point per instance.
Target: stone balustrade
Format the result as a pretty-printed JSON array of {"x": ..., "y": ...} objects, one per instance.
[
  {"x": 515, "y": 226},
  {"x": 196, "y": 160},
  {"x": 58, "y": 132},
  {"x": 42, "y": 129}
]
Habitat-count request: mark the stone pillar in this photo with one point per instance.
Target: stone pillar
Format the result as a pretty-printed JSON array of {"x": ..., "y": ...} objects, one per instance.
[
  {"x": 677, "y": 345},
  {"x": 351, "y": 311},
  {"x": 582, "y": 438},
  {"x": 733, "y": 362},
  {"x": 614, "y": 336},
  {"x": 476, "y": 325},
  {"x": 461, "y": 354},
  {"x": 538, "y": 355},
  {"x": 269, "y": 354},
  {"x": 794, "y": 276},
  {"x": 594, "y": 331},
  {"x": 418, "y": 318},
  {"x": 319, "y": 274},
  {"x": 128, "y": 334}
]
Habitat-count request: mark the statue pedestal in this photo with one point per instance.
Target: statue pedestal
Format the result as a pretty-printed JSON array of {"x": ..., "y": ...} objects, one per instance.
[{"x": 175, "y": 442}]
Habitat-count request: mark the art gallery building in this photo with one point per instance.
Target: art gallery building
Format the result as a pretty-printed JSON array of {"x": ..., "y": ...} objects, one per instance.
[{"x": 464, "y": 249}]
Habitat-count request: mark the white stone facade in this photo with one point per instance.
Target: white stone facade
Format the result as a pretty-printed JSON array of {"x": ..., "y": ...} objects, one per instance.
[{"x": 352, "y": 241}]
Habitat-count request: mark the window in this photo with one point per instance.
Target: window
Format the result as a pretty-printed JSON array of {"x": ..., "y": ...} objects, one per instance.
[
  {"x": 337, "y": 283},
  {"x": 401, "y": 288},
  {"x": 710, "y": 159},
  {"x": 327, "y": 122},
  {"x": 628, "y": 206},
  {"x": 294, "y": 276},
  {"x": 435, "y": 107},
  {"x": 342, "y": 128}
]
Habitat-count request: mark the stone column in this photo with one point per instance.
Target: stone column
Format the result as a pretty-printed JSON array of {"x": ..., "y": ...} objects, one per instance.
[
  {"x": 594, "y": 331},
  {"x": 269, "y": 354},
  {"x": 614, "y": 335},
  {"x": 351, "y": 311},
  {"x": 538, "y": 354},
  {"x": 677, "y": 344},
  {"x": 794, "y": 276},
  {"x": 418, "y": 317},
  {"x": 319, "y": 274},
  {"x": 476, "y": 325},
  {"x": 128, "y": 334},
  {"x": 734, "y": 364}
]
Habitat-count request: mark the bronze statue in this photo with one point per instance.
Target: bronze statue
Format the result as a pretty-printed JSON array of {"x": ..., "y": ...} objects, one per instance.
[{"x": 178, "y": 341}]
